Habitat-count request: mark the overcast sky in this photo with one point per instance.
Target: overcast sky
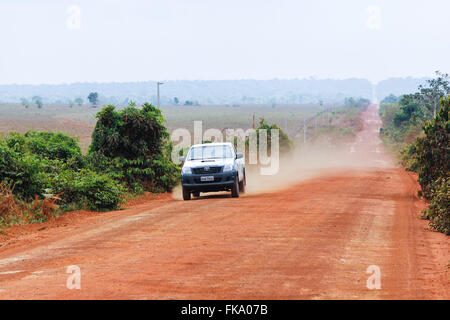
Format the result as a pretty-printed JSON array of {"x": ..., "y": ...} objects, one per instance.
[{"x": 58, "y": 41}]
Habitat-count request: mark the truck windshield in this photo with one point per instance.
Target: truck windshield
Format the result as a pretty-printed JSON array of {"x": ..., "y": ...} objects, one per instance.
[{"x": 210, "y": 152}]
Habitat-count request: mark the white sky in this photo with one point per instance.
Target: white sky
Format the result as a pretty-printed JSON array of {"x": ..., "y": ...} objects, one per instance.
[{"x": 42, "y": 41}]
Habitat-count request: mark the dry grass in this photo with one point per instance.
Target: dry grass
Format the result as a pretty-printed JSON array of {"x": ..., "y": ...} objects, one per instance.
[
  {"x": 9, "y": 209},
  {"x": 18, "y": 212}
]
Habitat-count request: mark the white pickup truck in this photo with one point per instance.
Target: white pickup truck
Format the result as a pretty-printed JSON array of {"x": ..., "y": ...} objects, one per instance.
[{"x": 212, "y": 167}]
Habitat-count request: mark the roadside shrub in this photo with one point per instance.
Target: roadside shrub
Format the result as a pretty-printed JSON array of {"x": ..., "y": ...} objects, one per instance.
[
  {"x": 431, "y": 153},
  {"x": 23, "y": 170},
  {"x": 130, "y": 133},
  {"x": 164, "y": 174},
  {"x": 439, "y": 209},
  {"x": 132, "y": 146},
  {"x": 430, "y": 158},
  {"x": 157, "y": 174},
  {"x": 9, "y": 209},
  {"x": 45, "y": 145},
  {"x": 13, "y": 211},
  {"x": 39, "y": 210},
  {"x": 398, "y": 135},
  {"x": 87, "y": 189},
  {"x": 29, "y": 161},
  {"x": 40, "y": 163},
  {"x": 286, "y": 145}
]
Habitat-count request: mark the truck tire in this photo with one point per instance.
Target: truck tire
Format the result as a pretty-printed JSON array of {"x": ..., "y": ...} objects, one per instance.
[
  {"x": 186, "y": 194},
  {"x": 242, "y": 184},
  {"x": 235, "y": 188}
]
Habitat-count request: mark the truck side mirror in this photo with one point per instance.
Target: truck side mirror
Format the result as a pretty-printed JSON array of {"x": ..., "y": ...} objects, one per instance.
[
  {"x": 181, "y": 159},
  {"x": 239, "y": 156}
]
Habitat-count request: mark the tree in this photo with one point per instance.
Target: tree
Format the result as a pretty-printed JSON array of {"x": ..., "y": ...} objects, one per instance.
[
  {"x": 176, "y": 101},
  {"x": 411, "y": 111},
  {"x": 79, "y": 101},
  {"x": 93, "y": 98},
  {"x": 437, "y": 88},
  {"x": 38, "y": 101},
  {"x": 25, "y": 102},
  {"x": 391, "y": 99}
]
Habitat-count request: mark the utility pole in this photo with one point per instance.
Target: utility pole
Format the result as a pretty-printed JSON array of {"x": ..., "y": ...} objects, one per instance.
[{"x": 157, "y": 90}]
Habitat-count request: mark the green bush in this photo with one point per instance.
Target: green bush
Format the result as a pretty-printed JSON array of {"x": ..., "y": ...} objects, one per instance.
[
  {"x": 286, "y": 145},
  {"x": 39, "y": 163},
  {"x": 87, "y": 189},
  {"x": 439, "y": 209},
  {"x": 430, "y": 158},
  {"x": 399, "y": 131},
  {"x": 129, "y": 133},
  {"x": 23, "y": 169},
  {"x": 51, "y": 145},
  {"x": 431, "y": 153},
  {"x": 132, "y": 146}
]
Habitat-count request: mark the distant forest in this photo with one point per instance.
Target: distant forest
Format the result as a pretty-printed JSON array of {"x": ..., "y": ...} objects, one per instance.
[{"x": 209, "y": 92}]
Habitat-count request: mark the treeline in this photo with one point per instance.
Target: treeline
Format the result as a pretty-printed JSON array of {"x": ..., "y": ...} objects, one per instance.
[
  {"x": 213, "y": 92},
  {"x": 417, "y": 128},
  {"x": 203, "y": 92},
  {"x": 129, "y": 154}
]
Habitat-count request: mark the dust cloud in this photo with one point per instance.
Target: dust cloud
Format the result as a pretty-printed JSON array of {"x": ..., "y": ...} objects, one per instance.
[
  {"x": 308, "y": 163},
  {"x": 322, "y": 159}
]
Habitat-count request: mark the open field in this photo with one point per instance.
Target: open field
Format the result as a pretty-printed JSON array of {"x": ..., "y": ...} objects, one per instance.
[{"x": 79, "y": 121}]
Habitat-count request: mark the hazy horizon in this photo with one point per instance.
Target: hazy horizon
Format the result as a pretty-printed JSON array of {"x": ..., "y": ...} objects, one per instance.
[
  {"x": 47, "y": 42},
  {"x": 213, "y": 80}
]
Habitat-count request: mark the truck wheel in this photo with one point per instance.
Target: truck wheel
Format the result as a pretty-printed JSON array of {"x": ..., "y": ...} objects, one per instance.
[
  {"x": 186, "y": 194},
  {"x": 242, "y": 185},
  {"x": 235, "y": 188}
]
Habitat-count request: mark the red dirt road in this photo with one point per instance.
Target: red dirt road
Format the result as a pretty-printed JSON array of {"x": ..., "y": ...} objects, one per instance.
[{"x": 313, "y": 240}]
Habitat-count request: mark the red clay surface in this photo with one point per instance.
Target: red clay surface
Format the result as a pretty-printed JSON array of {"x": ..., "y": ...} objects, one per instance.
[{"x": 313, "y": 240}]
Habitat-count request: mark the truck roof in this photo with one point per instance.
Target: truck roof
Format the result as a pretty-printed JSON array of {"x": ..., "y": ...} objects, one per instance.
[{"x": 212, "y": 144}]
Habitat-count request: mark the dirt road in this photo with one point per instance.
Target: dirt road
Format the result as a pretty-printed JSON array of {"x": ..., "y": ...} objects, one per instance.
[{"x": 313, "y": 240}]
